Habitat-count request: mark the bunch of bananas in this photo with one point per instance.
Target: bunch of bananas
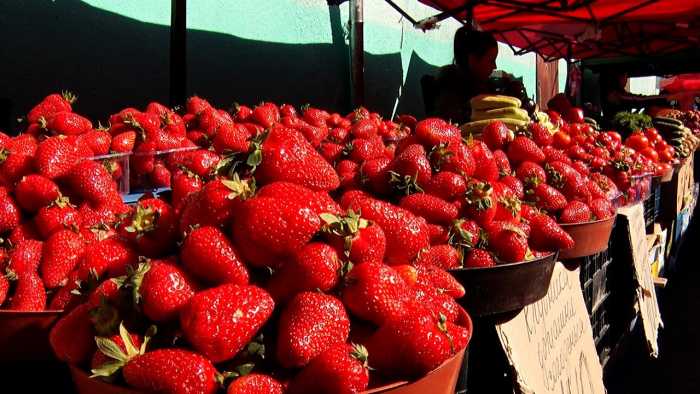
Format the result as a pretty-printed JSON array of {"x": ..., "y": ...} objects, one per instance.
[
  {"x": 487, "y": 108},
  {"x": 676, "y": 135}
]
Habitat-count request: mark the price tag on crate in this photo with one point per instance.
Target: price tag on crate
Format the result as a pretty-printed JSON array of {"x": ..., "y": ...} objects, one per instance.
[
  {"x": 550, "y": 343},
  {"x": 648, "y": 304}
]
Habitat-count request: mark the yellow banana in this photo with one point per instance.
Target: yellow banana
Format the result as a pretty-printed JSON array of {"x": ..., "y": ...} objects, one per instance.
[
  {"x": 492, "y": 101},
  {"x": 475, "y": 128},
  {"x": 500, "y": 113}
]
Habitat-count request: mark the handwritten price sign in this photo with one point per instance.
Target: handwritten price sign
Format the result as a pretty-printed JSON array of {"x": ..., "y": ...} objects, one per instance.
[{"x": 550, "y": 343}]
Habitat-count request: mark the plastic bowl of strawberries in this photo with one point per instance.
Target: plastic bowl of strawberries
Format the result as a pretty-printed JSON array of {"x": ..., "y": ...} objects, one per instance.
[{"x": 24, "y": 335}]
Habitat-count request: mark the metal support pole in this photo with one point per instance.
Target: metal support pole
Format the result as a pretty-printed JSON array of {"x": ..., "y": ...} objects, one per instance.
[
  {"x": 357, "y": 52},
  {"x": 470, "y": 13},
  {"x": 178, "y": 53}
]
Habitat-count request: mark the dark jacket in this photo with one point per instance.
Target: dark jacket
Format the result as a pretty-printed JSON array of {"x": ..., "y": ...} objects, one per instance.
[
  {"x": 453, "y": 92},
  {"x": 615, "y": 100}
]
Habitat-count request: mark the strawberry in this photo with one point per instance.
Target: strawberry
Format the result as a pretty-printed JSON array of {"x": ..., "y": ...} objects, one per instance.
[
  {"x": 412, "y": 166},
  {"x": 576, "y": 212},
  {"x": 419, "y": 341},
  {"x": 332, "y": 152},
  {"x": 196, "y": 105},
  {"x": 255, "y": 383},
  {"x": 24, "y": 144},
  {"x": 502, "y": 162},
  {"x": 523, "y": 149},
  {"x": 438, "y": 234},
  {"x": 72, "y": 338},
  {"x": 162, "y": 139},
  {"x": 446, "y": 185},
  {"x": 480, "y": 202},
  {"x": 315, "y": 267},
  {"x": 93, "y": 182},
  {"x": 360, "y": 150},
  {"x": 55, "y": 157},
  {"x": 354, "y": 238},
  {"x": 143, "y": 161},
  {"x": 66, "y": 123},
  {"x": 184, "y": 183},
  {"x": 314, "y": 135},
  {"x": 581, "y": 167},
  {"x": 50, "y": 105},
  {"x": 173, "y": 124},
  {"x": 171, "y": 371},
  {"x": 124, "y": 142},
  {"x": 4, "y": 288},
  {"x": 547, "y": 198},
  {"x": 528, "y": 212},
  {"x": 211, "y": 119},
  {"x": 496, "y": 135},
  {"x": 540, "y": 135},
  {"x": 160, "y": 177},
  {"x": 208, "y": 255},
  {"x": 406, "y": 234},
  {"x": 508, "y": 244},
  {"x": 339, "y": 135},
  {"x": 364, "y": 128},
  {"x": 202, "y": 162},
  {"x": 25, "y": 257},
  {"x": 343, "y": 367},
  {"x": 30, "y": 294},
  {"x": 220, "y": 321},
  {"x": 319, "y": 202},
  {"x": 151, "y": 227},
  {"x": 109, "y": 258},
  {"x": 515, "y": 184},
  {"x": 347, "y": 166},
  {"x": 315, "y": 117},
  {"x": 98, "y": 140},
  {"x": 553, "y": 154},
  {"x": 232, "y": 138},
  {"x": 284, "y": 153},
  {"x": 57, "y": 216},
  {"x": 34, "y": 192},
  {"x": 508, "y": 207},
  {"x": 214, "y": 205},
  {"x": 455, "y": 158},
  {"x": 309, "y": 325},
  {"x": 433, "y": 132},
  {"x": 15, "y": 166},
  {"x": 478, "y": 258},
  {"x": 60, "y": 256},
  {"x": 376, "y": 176},
  {"x": 408, "y": 121},
  {"x": 24, "y": 232},
  {"x": 269, "y": 229},
  {"x": 443, "y": 256},
  {"x": 434, "y": 209},
  {"x": 10, "y": 215},
  {"x": 486, "y": 167},
  {"x": 375, "y": 292},
  {"x": 546, "y": 235},
  {"x": 602, "y": 209},
  {"x": 606, "y": 184},
  {"x": 264, "y": 116},
  {"x": 439, "y": 279},
  {"x": 595, "y": 190},
  {"x": 530, "y": 173},
  {"x": 429, "y": 299},
  {"x": 100, "y": 358}
]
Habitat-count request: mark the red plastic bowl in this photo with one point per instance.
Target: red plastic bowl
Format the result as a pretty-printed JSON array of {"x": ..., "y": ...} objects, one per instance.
[
  {"x": 590, "y": 238},
  {"x": 24, "y": 336}
]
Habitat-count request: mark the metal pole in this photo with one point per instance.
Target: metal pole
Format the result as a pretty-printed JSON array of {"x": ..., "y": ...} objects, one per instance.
[
  {"x": 178, "y": 53},
  {"x": 357, "y": 52}
]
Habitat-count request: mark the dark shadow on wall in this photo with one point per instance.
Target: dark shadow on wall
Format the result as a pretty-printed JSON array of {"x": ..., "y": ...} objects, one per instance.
[{"x": 112, "y": 62}]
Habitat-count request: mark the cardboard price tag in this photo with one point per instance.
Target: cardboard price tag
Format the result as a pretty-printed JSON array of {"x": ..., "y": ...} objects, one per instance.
[
  {"x": 550, "y": 343},
  {"x": 648, "y": 304}
]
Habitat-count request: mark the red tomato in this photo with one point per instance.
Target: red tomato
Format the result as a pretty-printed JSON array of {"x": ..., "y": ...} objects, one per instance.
[
  {"x": 574, "y": 115},
  {"x": 671, "y": 150},
  {"x": 615, "y": 136},
  {"x": 578, "y": 140},
  {"x": 651, "y": 154},
  {"x": 637, "y": 142},
  {"x": 651, "y": 134},
  {"x": 561, "y": 140},
  {"x": 665, "y": 156},
  {"x": 660, "y": 145}
]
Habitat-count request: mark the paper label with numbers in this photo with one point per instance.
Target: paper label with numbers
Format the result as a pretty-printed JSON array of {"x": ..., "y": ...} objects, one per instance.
[
  {"x": 550, "y": 343},
  {"x": 648, "y": 304}
]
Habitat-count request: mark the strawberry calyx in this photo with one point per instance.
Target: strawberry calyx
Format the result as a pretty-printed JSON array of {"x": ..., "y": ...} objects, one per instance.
[
  {"x": 360, "y": 354},
  {"x": 479, "y": 194},
  {"x": 4, "y": 155},
  {"x": 442, "y": 326},
  {"x": 557, "y": 178},
  {"x": 69, "y": 97},
  {"x": 243, "y": 189},
  {"x": 145, "y": 219},
  {"x": 132, "y": 281},
  {"x": 240, "y": 371},
  {"x": 440, "y": 155},
  {"x": 105, "y": 317},
  {"x": 344, "y": 271},
  {"x": 113, "y": 350},
  {"x": 345, "y": 226},
  {"x": 407, "y": 183},
  {"x": 511, "y": 203},
  {"x": 460, "y": 238}
]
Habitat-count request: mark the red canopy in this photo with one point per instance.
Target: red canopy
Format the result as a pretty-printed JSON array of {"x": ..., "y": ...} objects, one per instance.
[{"x": 583, "y": 28}]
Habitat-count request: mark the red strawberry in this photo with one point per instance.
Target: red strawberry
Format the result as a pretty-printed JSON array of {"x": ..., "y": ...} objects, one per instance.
[
  {"x": 508, "y": 244},
  {"x": 208, "y": 255},
  {"x": 606, "y": 184},
  {"x": 547, "y": 198},
  {"x": 581, "y": 167},
  {"x": 553, "y": 154},
  {"x": 171, "y": 371},
  {"x": 66, "y": 123},
  {"x": 360, "y": 150},
  {"x": 4, "y": 288},
  {"x": 72, "y": 338},
  {"x": 315, "y": 117},
  {"x": 310, "y": 324},
  {"x": 111, "y": 256},
  {"x": 50, "y": 105},
  {"x": 480, "y": 202},
  {"x": 14, "y": 166},
  {"x": 240, "y": 113},
  {"x": 502, "y": 162},
  {"x": 196, "y": 105},
  {"x": 478, "y": 258},
  {"x": 595, "y": 190},
  {"x": 151, "y": 227},
  {"x": 530, "y": 173},
  {"x": 315, "y": 267},
  {"x": 60, "y": 256},
  {"x": 233, "y": 138},
  {"x": 99, "y": 358},
  {"x": 546, "y": 235},
  {"x": 25, "y": 257},
  {"x": 576, "y": 212},
  {"x": 496, "y": 135},
  {"x": 264, "y": 116},
  {"x": 319, "y": 202},
  {"x": 160, "y": 177},
  {"x": 431, "y": 300},
  {"x": 354, "y": 238},
  {"x": 446, "y": 185},
  {"x": 508, "y": 207},
  {"x": 284, "y": 153},
  {"x": 220, "y": 321},
  {"x": 433, "y": 209},
  {"x": 406, "y": 234},
  {"x": 528, "y": 212},
  {"x": 344, "y": 370},
  {"x": 455, "y": 158},
  {"x": 412, "y": 165},
  {"x": 98, "y": 140},
  {"x": 375, "y": 293},
  {"x": 30, "y": 294},
  {"x": 202, "y": 162},
  {"x": 24, "y": 144},
  {"x": 602, "y": 208},
  {"x": 10, "y": 215},
  {"x": 55, "y": 158},
  {"x": 269, "y": 229},
  {"x": 124, "y": 142},
  {"x": 408, "y": 121},
  {"x": 523, "y": 149},
  {"x": 214, "y": 205},
  {"x": 439, "y": 279},
  {"x": 57, "y": 216},
  {"x": 93, "y": 182},
  {"x": 24, "y": 232},
  {"x": 339, "y": 135},
  {"x": 184, "y": 183},
  {"x": 438, "y": 234},
  {"x": 364, "y": 128},
  {"x": 143, "y": 161},
  {"x": 173, "y": 124},
  {"x": 332, "y": 152},
  {"x": 486, "y": 167},
  {"x": 443, "y": 256},
  {"x": 515, "y": 184},
  {"x": 347, "y": 166},
  {"x": 540, "y": 134},
  {"x": 376, "y": 176},
  {"x": 34, "y": 192},
  {"x": 433, "y": 132},
  {"x": 255, "y": 383},
  {"x": 419, "y": 341}
]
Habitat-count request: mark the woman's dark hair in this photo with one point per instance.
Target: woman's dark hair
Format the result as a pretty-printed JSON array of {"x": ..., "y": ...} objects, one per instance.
[{"x": 471, "y": 42}]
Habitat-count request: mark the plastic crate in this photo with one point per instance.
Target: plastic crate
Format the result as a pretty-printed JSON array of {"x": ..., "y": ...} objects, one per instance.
[
  {"x": 594, "y": 278},
  {"x": 651, "y": 207}
]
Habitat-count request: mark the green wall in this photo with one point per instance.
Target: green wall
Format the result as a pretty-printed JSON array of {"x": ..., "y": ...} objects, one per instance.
[{"x": 115, "y": 53}]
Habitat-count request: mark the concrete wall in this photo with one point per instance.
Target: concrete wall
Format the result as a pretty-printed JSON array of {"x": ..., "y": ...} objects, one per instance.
[{"x": 114, "y": 54}]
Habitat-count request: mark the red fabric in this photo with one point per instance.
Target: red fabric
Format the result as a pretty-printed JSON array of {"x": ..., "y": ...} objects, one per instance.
[{"x": 540, "y": 29}]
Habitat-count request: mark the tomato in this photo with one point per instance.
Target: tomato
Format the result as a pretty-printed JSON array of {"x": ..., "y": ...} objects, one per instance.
[
  {"x": 637, "y": 142},
  {"x": 578, "y": 140},
  {"x": 651, "y": 134},
  {"x": 671, "y": 150},
  {"x": 554, "y": 116},
  {"x": 659, "y": 170},
  {"x": 615, "y": 136},
  {"x": 574, "y": 115},
  {"x": 651, "y": 154},
  {"x": 665, "y": 156},
  {"x": 605, "y": 139},
  {"x": 561, "y": 140},
  {"x": 660, "y": 145},
  {"x": 578, "y": 153}
]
